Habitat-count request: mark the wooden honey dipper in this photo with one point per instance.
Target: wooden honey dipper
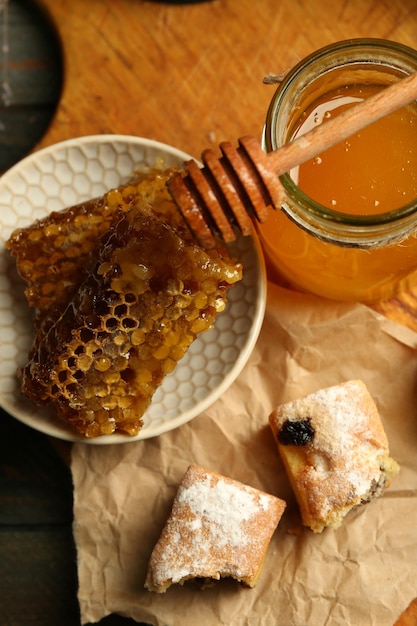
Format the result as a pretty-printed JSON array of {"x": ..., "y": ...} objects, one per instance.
[{"x": 224, "y": 196}]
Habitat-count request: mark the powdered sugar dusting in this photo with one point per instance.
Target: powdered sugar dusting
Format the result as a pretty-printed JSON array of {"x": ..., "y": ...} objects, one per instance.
[
  {"x": 343, "y": 461},
  {"x": 344, "y": 419},
  {"x": 218, "y": 527},
  {"x": 224, "y": 506}
]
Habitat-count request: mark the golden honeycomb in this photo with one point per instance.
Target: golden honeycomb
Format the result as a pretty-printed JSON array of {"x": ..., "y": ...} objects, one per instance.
[
  {"x": 52, "y": 253},
  {"x": 119, "y": 304}
]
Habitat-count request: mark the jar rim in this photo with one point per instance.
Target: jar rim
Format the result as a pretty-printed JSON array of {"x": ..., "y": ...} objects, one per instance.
[{"x": 362, "y": 45}]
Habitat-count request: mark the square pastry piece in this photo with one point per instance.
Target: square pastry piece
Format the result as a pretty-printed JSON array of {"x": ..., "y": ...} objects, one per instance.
[
  {"x": 335, "y": 451},
  {"x": 217, "y": 528}
]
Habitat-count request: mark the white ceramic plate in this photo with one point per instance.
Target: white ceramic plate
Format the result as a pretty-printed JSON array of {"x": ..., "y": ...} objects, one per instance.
[{"x": 71, "y": 172}]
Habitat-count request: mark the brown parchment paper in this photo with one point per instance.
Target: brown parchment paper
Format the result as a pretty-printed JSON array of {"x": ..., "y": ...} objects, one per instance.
[{"x": 364, "y": 573}]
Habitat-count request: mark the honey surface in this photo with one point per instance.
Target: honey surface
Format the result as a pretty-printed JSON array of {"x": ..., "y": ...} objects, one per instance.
[{"x": 372, "y": 172}]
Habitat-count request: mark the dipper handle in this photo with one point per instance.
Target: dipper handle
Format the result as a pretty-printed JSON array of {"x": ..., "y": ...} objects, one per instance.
[{"x": 222, "y": 198}]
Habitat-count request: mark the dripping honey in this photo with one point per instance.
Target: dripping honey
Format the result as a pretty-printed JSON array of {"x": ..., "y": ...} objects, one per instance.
[{"x": 349, "y": 230}]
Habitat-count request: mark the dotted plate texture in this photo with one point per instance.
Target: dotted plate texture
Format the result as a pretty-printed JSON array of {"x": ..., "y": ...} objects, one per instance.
[{"x": 79, "y": 169}]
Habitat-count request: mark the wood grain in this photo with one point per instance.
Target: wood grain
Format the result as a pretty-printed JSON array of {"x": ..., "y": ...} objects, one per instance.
[{"x": 191, "y": 75}]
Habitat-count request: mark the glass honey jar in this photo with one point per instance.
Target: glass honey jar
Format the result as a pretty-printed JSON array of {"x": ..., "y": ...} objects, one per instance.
[{"x": 348, "y": 230}]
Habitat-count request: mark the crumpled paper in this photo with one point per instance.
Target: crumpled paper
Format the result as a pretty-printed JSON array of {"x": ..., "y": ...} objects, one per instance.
[{"x": 363, "y": 573}]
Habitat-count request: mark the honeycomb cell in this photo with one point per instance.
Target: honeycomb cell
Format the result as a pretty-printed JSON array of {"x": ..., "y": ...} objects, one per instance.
[
  {"x": 7, "y": 384},
  {"x": 49, "y": 165},
  {"x": 125, "y": 163},
  {"x": 110, "y": 180},
  {"x": 215, "y": 367},
  {"x": 51, "y": 184},
  {"x": 241, "y": 325},
  {"x": 214, "y": 350},
  {"x": 8, "y": 217},
  {"x": 185, "y": 391},
  {"x": 20, "y": 190},
  {"x": 39, "y": 196},
  {"x": 199, "y": 380},
  {"x": 199, "y": 362},
  {"x": 32, "y": 172},
  {"x": 107, "y": 153},
  {"x": 94, "y": 170},
  {"x": 76, "y": 159},
  {"x": 10, "y": 351},
  {"x": 7, "y": 321},
  {"x": 230, "y": 354},
  {"x": 63, "y": 174},
  {"x": 6, "y": 300},
  {"x": 226, "y": 340},
  {"x": 68, "y": 197},
  {"x": 141, "y": 254},
  {"x": 82, "y": 184}
]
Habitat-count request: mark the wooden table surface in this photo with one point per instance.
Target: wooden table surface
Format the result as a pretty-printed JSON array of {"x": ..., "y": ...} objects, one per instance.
[{"x": 190, "y": 75}]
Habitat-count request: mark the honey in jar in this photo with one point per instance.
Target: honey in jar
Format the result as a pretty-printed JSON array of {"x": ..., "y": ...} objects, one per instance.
[{"x": 348, "y": 228}]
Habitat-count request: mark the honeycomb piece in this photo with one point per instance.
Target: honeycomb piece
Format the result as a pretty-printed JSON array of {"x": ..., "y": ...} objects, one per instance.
[
  {"x": 151, "y": 292},
  {"x": 55, "y": 253}
]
